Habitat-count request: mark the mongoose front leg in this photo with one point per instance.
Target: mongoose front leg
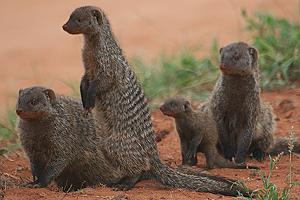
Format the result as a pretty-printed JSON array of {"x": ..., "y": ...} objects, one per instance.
[
  {"x": 190, "y": 153},
  {"x": 84, "y": 86},
  {"x": 184, "y": 147},
  {"x": 91, "y": 96},
  {"x": 243, "y": 145},
  {"x": 36, "y": 172},
  {"x": 54, "y": 167},
  {"x": 224, "y": 142}
]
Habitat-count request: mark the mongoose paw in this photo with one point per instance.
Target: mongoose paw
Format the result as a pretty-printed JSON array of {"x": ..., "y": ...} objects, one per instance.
[
  {"x": 122, "y": 187},
  {"x": 239, "y": 160},
  {"x": 259, "y": 155}
]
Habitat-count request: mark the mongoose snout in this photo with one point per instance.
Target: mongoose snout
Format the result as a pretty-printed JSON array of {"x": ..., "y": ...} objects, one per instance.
[
  {"x": 163, "y": 109},
  {"x": 84, "y": 20}
]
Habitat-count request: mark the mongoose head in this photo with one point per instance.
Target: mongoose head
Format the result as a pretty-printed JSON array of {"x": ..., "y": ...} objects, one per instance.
[
  {"x": 175, "y": 107},
  {"x": 238, "y": 59},
  {"x": 84, "y": 20},
  {"x": 35, "y": 103}
]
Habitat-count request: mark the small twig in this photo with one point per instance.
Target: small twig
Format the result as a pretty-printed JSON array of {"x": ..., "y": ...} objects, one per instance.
[
  {"x": 9, "y": 159},
  {"x": 11, "y": 176}
]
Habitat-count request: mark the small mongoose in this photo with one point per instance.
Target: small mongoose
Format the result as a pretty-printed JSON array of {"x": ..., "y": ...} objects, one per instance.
[
  {"x": 61, "y": 141},
  {"x": 244, "y": 122},
  {"x": 110, "y": 85},
  {"x": 197, "y": 132}
]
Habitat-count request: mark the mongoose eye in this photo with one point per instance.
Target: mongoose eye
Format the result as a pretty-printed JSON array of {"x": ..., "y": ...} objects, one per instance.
[
  {"x": 33, "y": 102},
  {"x": 78, "y": 20},
  {"x": 236, "y": 58}
]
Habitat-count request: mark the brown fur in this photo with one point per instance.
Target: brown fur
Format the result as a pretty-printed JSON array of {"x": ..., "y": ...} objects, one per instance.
[
  {"x": 244, "y": 122},
  {"x": 197, "y": 132},
  {"x": 115, "y": 92},
  {"x": 61, "y": 143}
]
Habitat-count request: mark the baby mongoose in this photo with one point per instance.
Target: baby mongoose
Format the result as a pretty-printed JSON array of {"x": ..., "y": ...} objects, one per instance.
[
  {"x": 197, "y": 132},
  {"x": 244, "y": 122},
  {"x": 110, "y": 85},
  {"x": 60, "y": 141}
]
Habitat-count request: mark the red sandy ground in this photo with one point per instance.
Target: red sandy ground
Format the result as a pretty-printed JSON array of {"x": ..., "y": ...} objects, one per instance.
[
  {"x": 288, "y": 114},
  {"x": 35, "y": 51}
]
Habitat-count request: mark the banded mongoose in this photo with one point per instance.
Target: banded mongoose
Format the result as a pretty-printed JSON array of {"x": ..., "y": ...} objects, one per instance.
[
  {"x": 244, "y": 122},
  {"x": 197, "y": 132},
  {"x": 110, "y": 85},
  {"x": 60, "y": 141}
]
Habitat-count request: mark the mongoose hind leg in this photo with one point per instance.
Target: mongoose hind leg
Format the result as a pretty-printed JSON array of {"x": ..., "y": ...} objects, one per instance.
[
  {"x": 260, "y": 146},
  {"x": 126, "y": 183},
  {"x": 257, "y": 152},
  {"x": 259, "y": 155}
]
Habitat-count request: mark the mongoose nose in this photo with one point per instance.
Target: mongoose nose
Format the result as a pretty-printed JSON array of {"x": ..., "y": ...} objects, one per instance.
[
  {"x": 19, "y": 111},
  {"x": 65, "y": 26},
  {"x": 161, "y": 108},
  {"x": 222, "y": 66}
]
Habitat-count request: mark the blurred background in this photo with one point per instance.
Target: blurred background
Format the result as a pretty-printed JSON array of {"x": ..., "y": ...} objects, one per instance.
[{"x": 35, "y": 50}]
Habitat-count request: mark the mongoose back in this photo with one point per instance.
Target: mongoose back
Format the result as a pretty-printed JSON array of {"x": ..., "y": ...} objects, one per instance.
[
  {"x": 60, "y": 141},
  {"x": 111, "y": 86},
  {"x": 197, "y": 132}
]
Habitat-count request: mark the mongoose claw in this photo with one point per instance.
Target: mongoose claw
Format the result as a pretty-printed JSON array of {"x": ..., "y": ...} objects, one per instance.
[{"x": 33, "y": 184}]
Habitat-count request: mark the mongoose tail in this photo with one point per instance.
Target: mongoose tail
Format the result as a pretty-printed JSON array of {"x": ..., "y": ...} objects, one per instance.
[
  {"x": 281, "y": 144},
  {"x": 205, "y": 183}
]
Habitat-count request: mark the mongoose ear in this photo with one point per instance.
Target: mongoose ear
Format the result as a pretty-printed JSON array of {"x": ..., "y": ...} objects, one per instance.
[
  {"x": 20, "y": 91},
  {"x": 254, "y": 53},
  {"x": 96, "y": 13},
  {"x": 186, "y": 105},
  {"x": 51, "y": 94},
  {"x": 220, "y": 50}
]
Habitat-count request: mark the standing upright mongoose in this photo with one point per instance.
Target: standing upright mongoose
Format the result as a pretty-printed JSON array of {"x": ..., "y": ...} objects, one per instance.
[
  {"x": 197, "y": 132},
  {"x": 61, "y": 142},
  {"x": 110, "y": 84}
]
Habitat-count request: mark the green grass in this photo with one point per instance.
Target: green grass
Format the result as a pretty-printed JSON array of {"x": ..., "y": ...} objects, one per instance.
[
  {"x": 8, "y": 133},
  {"x": 182, "y": 74},
  {"x": 270, "y": 191},
  {"x": 185, "y": 74},
  {"x": 74, "y": 88},
  {"x": 278, "y": 42}
]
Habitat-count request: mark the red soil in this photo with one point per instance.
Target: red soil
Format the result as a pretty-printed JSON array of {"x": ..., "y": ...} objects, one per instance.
[{"x": 18, "y": 169}]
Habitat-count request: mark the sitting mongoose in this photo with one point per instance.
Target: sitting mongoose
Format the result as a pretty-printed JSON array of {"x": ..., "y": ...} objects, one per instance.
[
  {"x": 244, "y": 122},
  {"x": 110, "y": 85},
  {"x": 197, "y": 132},
  {"x": 60, "y": 141}
]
